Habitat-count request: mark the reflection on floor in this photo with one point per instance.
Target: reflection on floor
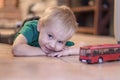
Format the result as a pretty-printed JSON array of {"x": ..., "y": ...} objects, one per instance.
[{"x": 64, "y": 68}]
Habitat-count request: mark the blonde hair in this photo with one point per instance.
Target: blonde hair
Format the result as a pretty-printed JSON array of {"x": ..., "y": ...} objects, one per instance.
[{"x": 63, "y": 14}]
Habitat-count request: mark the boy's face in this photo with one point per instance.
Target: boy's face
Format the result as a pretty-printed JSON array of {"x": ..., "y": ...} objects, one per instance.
[{"x": 52, "y": 38}]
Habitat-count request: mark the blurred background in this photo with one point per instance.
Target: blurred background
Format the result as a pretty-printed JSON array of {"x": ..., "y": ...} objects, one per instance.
[{"x": 95, "y": 17}]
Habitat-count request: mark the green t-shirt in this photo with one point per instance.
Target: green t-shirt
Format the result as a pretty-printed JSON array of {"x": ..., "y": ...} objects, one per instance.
[{"x": 29, "y": 30}]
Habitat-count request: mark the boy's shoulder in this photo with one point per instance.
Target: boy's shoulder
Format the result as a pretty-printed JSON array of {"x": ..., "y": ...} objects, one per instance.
[{"x": 33, "y": 20}]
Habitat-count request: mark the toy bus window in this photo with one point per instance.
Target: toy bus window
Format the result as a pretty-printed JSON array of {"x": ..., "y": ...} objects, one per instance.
[
  {"x": 118, "y": 50},
  {"x": 100, "y": 51},
  {"x": 88, "y": 52},
  {"x": 111, "y": 50},
  {"x": 115, "y": 50},
  {"x": 82, "y": 52},
  {"x": 85, "y": 52},
  {"x": 106, "y": 51},
  {"x": 95, "y": 52}
]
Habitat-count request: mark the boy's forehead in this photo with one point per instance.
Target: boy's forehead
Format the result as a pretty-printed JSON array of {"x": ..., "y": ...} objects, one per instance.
[
  {"x": 58, "y": 27},
  {"x": 61, "y": 36},
  {"x": 60, "y": 32}
]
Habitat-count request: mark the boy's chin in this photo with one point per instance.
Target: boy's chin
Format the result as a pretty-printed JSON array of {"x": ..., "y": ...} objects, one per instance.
[{"x": 46, "y": 51}]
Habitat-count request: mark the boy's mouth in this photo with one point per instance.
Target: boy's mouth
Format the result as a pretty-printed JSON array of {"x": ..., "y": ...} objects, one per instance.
[{"x": 48, "y": 50}]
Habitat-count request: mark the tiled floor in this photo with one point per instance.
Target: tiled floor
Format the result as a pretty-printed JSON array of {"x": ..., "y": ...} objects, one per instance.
[{"x": 64, "y": 68}]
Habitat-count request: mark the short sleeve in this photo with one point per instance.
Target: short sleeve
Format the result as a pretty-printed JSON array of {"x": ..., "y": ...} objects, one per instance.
[
  {"x": 27, "y": 31},
  {"x": 69, "y": 43}
]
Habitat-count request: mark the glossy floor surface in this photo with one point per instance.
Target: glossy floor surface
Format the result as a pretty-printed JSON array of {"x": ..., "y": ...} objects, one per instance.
[{"x": 64, "y": 68}]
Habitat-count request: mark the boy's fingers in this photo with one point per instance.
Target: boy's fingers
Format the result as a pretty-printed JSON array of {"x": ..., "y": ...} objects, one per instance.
[
  {"x": 52, "y": 54},
  {"x": 49, "y": 55},
  {"x": 56, "y": 55},
  {"x": 60, "y": 55}
]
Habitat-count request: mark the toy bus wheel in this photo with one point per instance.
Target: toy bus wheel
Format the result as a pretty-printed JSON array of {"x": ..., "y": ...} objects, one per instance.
[
  {"x": 100, "y": 60},
  {"x": 88, "y": 61}
]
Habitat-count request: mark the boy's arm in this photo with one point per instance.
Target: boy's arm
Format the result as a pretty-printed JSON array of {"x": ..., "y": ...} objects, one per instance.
[
  {"x": 21, "y": 48},
  {"x": 73, "y": 50}
]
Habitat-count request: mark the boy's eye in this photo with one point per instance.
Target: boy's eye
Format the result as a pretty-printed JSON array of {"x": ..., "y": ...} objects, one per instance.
[
  {"x": 60, "y": 42},
  {"x": 50, "y": 36}
]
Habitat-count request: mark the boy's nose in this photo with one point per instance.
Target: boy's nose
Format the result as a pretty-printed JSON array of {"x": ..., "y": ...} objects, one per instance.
[{"x": 52, "y": 46}]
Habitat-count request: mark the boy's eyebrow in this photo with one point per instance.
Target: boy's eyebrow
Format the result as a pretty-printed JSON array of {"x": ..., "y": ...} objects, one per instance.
[{"x": 54, "y": 35}]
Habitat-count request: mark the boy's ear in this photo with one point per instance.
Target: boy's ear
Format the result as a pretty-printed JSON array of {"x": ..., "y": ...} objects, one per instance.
[{"x": 39, "y": 26}]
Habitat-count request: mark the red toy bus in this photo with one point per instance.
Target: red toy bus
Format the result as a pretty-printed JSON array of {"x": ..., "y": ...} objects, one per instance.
[{"x": 99, "y": 53}]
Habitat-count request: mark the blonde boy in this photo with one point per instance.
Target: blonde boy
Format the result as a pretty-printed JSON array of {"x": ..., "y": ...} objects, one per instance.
[{"x": 49, "y": 35}]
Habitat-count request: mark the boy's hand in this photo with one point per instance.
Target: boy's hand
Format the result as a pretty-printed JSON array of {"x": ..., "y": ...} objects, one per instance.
[
  {"x": 67, "y": 51},
  {"x": 57, "y": 54},
  {"x": 64, "y": 52}
]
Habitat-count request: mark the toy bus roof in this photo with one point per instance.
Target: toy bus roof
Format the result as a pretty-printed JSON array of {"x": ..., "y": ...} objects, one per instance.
[{"x": 101, "y": 46}]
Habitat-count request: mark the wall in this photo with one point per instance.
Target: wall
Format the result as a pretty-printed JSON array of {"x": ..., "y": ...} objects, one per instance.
[
  {"x": 117, "y": 19},
  {"x": 112, "y": 18}
]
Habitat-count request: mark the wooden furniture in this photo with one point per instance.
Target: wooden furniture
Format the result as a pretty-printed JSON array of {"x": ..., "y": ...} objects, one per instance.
[
  {"x": 92, "y": 18},
  {"x": 9, "y": 16},
  {"x": 7, "y": 35},
  {"x": 9, "y": 9}
]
